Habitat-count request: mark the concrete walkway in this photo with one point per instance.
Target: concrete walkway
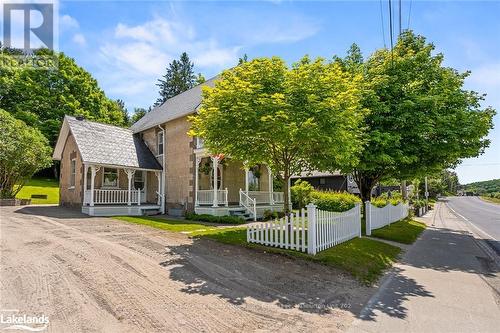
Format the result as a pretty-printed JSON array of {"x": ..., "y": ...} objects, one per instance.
[{"x": 444, "y": 283}]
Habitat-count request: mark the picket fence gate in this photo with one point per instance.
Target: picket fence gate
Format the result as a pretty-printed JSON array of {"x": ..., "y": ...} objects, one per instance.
[
  {"x": 380, "y": 217},
  {"x": 310, "y": 230}
]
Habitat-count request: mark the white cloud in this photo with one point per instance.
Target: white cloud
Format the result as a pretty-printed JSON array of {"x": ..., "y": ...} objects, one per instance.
[
  {"x": 79, "y": 39},
  {"x": 133, "y": 57},
  {"x": 67, "y": 22}
]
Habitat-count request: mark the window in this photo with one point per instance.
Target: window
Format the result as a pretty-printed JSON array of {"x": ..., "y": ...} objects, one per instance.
[
  {"x": 110, "y": 177},
  {"x": 72, "y": 174},
  {"x": 253, "y": 181},
  {"x": 159, "y": 137},
  {"x": 139, "y": 180},
  {"x": 322, "y": 181},
  {"x": 199, "y": 142}
]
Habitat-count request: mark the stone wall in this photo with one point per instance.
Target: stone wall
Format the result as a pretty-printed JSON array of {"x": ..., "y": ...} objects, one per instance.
[{"x": 70, "y": 196}]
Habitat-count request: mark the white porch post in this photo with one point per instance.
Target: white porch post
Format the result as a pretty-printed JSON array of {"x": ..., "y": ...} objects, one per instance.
[
  {"x": 215, "y": 163},
  {"x": 158, "y": 175},
  {"x": 270, "y": 182},
  {"x": 196, "y": 180},
  {"x": 130, "y": 173},
  {"x": 246, "y": 179},
  {"x": 93, "y": 170},
  {"x": 85, "y": 170}
]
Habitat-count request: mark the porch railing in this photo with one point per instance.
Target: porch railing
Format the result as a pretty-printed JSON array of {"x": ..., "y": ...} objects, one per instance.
[
  {"x": 113, "y": 196},
  {"x": 206, "y": 197},
  {"x": 249, "y": 203},
  {"x": 264, "y": 197}
]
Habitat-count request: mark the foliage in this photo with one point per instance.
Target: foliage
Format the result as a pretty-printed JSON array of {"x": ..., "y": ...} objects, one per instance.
[
  {"x": 334, "y": 201},
  {"x": 200, "y": 79},
  {"x": 405, "y": 231},
  {"x": 421, "y": 118},
  {"x": 23, "y": 151},
  {"x": 418, "y": 203},
  {"x": 366, "y": 259},
  {"x": 41, "y": 98},
  {"x": 292, "y": 119},
  {"x": 138, "y": 114},
  {"x": 49, "y": 187},
  {"x": 215, "y": 219},
  {"x": 382, "y": 202},
  {"x": 179, "y": 78},
  {"x": 492, "y": 197},
  {"x": 301, "y": 193},
  {"x": 272, "y": 215},
  {"x": 484, "y": 187}
]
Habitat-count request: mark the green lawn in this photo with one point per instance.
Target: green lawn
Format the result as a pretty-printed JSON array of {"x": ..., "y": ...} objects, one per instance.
[
  {"x": 190, "y": 228},
  {"x": 364, "y": 258},
  {"x": 50, "y": 187},
  {"x": 490, "y": 199},
  {"x": 405, "y": 231}
]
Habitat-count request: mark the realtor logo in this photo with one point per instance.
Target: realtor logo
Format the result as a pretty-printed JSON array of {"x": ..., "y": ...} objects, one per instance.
[{"x": 28, "y": 26}]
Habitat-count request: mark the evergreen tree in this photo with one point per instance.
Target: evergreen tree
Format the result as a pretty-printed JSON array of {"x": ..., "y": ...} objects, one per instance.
[{"x": 179, "y": 78}]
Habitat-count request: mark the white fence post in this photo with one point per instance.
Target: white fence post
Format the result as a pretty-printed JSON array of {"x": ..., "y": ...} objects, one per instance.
[
  {"x": 358, "y": 205},
  {"x": 311, "y": 228},
  {"x": 368, "y": 218}
]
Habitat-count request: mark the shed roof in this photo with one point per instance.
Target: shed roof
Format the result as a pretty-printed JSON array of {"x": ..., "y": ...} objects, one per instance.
[{"x": 106, "y": 145}]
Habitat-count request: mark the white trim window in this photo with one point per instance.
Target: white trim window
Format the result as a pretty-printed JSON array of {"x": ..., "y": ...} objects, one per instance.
[
  {"x": 110, "y": 177},
  {"x": 72, "y": 173},
  {"x": 139, "y": 180},
  {"x": 159, "y": 138}
]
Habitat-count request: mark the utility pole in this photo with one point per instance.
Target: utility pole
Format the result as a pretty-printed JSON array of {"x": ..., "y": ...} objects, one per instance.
[{"x": 426, "y": 192}]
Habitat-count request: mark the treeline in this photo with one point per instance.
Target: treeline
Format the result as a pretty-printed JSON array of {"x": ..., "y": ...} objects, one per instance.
[{"x": 484, "y": 187}]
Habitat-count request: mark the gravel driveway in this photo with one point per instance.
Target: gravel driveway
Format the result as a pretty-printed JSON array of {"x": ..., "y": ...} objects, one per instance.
[{"x": 97, "y": 274}]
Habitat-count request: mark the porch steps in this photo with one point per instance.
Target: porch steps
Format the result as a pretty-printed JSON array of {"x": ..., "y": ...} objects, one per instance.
[{"x": 240, "y": 213}]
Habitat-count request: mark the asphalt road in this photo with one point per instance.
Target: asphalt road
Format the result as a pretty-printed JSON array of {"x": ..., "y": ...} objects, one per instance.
[{"x": 484, "y": 215}]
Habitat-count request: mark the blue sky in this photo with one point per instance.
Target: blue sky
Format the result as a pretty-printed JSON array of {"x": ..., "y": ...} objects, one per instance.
[{"x": 126, "y": 45}]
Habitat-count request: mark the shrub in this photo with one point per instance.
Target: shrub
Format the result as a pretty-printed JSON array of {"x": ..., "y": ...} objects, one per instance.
[
  {"x": 334, "y": 201},
  {"x": 269, "y": 215},
  {"x": 301, "y": 193},
  {"x": 418, "y": 203},
  {"x": 214, "y": 219},
  {"x": 382, "y": 202}
]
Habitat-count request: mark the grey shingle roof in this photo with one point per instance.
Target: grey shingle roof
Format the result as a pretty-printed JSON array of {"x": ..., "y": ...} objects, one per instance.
[
  {"x": 173, "y": 108},
  {"x": 106, "y": 144}
]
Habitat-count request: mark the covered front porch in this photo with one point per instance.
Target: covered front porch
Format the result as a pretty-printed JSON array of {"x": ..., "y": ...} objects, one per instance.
[
  {"x": 112, "y": 190},
  {"x": 227, "y": 187}
]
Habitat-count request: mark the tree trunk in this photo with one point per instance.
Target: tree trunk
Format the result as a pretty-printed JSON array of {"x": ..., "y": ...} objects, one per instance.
[
  {"x": 404, "y": 192},
  {"x": 286, "y": 198}
]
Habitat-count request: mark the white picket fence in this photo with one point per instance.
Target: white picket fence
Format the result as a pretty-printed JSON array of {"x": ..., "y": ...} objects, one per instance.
[
  {"x": 308, "y": 231},
  {"x": 380, "y": 217}
]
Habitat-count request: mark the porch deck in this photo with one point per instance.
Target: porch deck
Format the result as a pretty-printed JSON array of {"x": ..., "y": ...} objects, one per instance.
[{"x": 117, "y": 210}]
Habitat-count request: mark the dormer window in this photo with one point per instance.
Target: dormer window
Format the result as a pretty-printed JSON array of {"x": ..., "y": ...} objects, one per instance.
[{"x": 160, "y": 143}]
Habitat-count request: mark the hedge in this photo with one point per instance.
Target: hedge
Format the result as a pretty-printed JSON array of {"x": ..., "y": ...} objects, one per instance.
[
  {"x": 215, "y": 219},
  {"x": 334, "y": 201}
]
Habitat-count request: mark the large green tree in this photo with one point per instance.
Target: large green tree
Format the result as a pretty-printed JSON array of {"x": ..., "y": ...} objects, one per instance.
[
  {"x": 421, "y": 118},
  {"x": 24, "y": 150},
  {"x": 178, "y": 78},
  {"x": 292, "y": 119},
  {"x": 41, "y": 97}
]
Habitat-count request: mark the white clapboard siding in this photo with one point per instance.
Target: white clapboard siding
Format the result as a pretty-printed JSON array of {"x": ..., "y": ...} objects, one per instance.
[
  {"x": 308, "y": 231},
  {"x": 380, "y": 217}
]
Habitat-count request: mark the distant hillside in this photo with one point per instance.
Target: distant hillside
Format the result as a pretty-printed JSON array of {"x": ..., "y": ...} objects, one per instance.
[{"x": 486, "y": 187}]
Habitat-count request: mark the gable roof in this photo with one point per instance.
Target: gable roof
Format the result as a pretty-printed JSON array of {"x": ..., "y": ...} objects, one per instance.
[
  {"x": 105, "y": 144},
  {"x": 173, "y": 108}
]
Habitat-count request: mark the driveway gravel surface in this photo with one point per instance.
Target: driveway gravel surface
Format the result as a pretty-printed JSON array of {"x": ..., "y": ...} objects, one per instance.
[{"x": 101, "y": 275}]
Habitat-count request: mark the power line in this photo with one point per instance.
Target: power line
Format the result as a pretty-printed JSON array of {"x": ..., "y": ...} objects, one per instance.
[
  {"x": 409, "y": 15},
  {"x": 390, "y": 22},
  {"x": 399, "y": 17},
  {"x": 382, "y": 22}
]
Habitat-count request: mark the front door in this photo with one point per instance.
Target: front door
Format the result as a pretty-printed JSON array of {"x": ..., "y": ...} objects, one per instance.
[{"x": 140, "y": 182}]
